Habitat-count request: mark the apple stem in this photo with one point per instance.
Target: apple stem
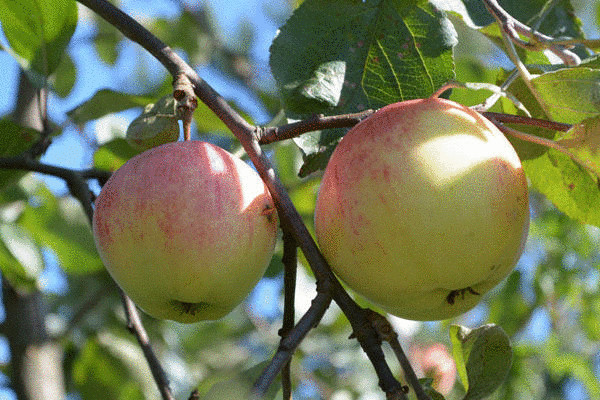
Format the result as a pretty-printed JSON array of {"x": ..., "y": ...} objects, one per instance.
[
  {"x": 447, "y": 86},
  {"x": 187, "y": 102}
]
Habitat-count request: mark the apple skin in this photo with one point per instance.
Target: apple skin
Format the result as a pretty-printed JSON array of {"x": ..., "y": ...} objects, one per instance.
[
  {"x": 186, "y": 230},
  {"x": 423, "y": 208}
]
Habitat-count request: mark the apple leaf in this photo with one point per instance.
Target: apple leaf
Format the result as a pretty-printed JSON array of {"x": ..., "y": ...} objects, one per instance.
[
  {"x": 99, "y": 374},
  {"x": 342, "y": 56},
  {"x": 106, "y": 101},
  {"x": 483, "y": 358},
  {"x": 61, "y": 225},
  {"x": 566, "y": 184},
  {"x": 38, "y": 32},
  {"x": 106, "y": 41},
  {"x": 559, "y": 21},
  {"x": 427, "y": 384},
  {"x": 583, "y": 140},
  {"x": 241, "y": 386},
  {"x": 63, "y": 80},
  {"x": 155, "y": 126},
  {"x": 112, "y": 155},
  {"x": 20, "y": 257},
  {"x": 14, "y": 140},
  {"x": 570, "y": 95},
  {"x": 572, "y": 187}
]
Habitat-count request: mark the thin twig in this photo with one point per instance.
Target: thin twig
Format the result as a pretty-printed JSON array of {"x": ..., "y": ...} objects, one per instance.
[
  {"x": 521, "y": 120},
  {"x": 386, "y": 333},
  {"x": 551, "y": 144},
  {"x": 512, "y": 27},
  {"x": 316, "y": 122},
  {"x": 290, "y": 342},
  {"x": 134, "y": 323},
  {"x": 290, "y": 263}
]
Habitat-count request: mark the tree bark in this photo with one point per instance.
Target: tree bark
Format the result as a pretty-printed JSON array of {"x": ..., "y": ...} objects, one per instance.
[{"x": 36, "y": 361}]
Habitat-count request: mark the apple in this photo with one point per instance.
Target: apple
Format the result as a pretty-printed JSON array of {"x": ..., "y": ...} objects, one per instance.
[
  {"x": 186, "y": 230},
  {"x": 423, "y": 208}
]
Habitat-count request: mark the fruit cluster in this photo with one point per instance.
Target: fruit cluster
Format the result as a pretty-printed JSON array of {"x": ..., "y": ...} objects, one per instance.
[{"x": 422, "y": 209}]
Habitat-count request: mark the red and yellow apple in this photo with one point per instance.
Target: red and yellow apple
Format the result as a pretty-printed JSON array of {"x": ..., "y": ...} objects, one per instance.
[
  {"x": 186, "y": 230},
  {"x": 423, "y": 208}
]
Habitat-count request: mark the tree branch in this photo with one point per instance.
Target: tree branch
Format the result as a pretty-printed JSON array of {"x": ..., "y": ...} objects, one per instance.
[
  {"x": 513, "y": 28},
  {"x": 317, "y": 122},
  {"x": 521, "y": 120},
  {"x": 290, "y": 342},
  {"x": 134, "y": 323},
  {"x": 290, "y": 263}
]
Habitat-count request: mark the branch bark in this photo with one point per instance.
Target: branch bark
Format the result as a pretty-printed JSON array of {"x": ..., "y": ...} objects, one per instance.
[{"x": 36, "y": 360}]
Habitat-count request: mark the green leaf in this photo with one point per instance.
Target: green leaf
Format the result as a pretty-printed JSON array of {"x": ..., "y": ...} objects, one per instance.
[
  {"x": 106, "y": 101},
  {"x": 193, "y": 32},
  {"x": 106, "y": 41},
  {"x": 571, "y": 188},
  {"x": 583, "y": 140},
  {"x": 570, "y": 95},
  {"x": 559, "y": 21},
  {"x": 14, "y": 140},
  {"x": 343, "y": 56},
  {"x": 20, "y": 257},
  {"x": 64, "y": 77},
  {"x": 427, "y": 384},
  {"x": 566, "y": 184},
  {"x": 340, "y": 56},
  {"x": 62, "y": 225},
  {"x": 112, "y": 155},
  {"x": 483, "y": 358},
  {"x": 38, "y": 31},
  {"x": 240, "y": 387},
  {"x": 98, "y": 374},
  {"x": 155, "y": 126}
]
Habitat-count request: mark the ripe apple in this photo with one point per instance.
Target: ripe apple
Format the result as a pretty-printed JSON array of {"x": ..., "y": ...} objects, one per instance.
[
  {"x": 186, "y": 229},
  {"x": 423, "y": 208}
]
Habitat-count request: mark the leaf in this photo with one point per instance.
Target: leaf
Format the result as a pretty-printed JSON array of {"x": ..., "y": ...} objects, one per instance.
[
  {"x": 380, "y": 52},
  {"x": 20, "y": 257},
  {"x": 14, "y": 140},
  {"x": 106, "y": 41},
  {"x": 583, "y": 140},
  {"x": 61, "y": 225},
  {"x": 559, "y": 21},
  {"x": 342, "y": 56},
  {"x": 427, "y": 384},
  {"x": 570, "y": 95},
  {"x": 112, "y": 155},
  {"x": 98, "y": 374},
  {"x": 566, "y": 184},
  {"x": 106, "y": 101},
  {"x": 193, "y": 32},
  {"x": 240, "y": 387},
  {"x": 64, "y": 77},
  {"x": 483, "y": 358},
  {"x": 155, "y": 126},
  {"x": 38, "y": 31}
]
